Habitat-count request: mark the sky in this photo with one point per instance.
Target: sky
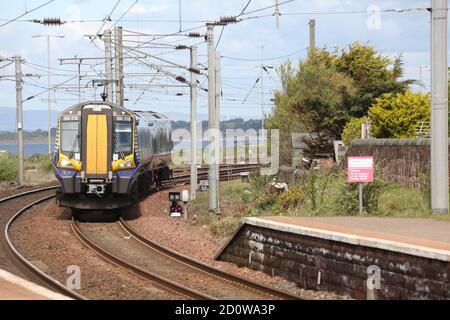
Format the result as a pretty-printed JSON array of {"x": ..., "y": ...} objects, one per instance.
[{"x": 241, "y": 46}]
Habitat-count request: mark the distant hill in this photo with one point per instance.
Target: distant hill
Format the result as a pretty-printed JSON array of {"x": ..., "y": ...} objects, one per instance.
[
  {"x": 37, "y": 120},
  {"x": 237, "y": 123}
]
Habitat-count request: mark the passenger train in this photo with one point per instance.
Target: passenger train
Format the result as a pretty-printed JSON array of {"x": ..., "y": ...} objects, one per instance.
[{"x": 106, "y": 154}]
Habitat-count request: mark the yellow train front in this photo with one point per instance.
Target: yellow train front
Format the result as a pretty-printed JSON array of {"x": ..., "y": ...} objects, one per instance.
[{"x": 106, "y": 155}]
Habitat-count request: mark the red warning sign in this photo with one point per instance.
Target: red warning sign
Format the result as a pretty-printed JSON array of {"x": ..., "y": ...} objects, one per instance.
[{"x": 360, "y": 169}]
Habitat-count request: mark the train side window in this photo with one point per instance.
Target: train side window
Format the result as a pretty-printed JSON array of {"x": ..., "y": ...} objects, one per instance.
[
  {"x": 123, "y": 138},
  {"x": 70, "y": 137}
]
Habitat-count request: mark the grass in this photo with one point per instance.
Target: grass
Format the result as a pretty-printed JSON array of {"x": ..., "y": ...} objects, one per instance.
[
  {"x": 327, "y": 194},
  {"x": 38, "y": 169}
]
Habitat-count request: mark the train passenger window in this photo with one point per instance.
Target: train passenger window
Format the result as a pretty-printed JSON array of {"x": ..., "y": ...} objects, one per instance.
[
  {"x": 69, "y": 137},
  {"x": 123, "y": 141}
]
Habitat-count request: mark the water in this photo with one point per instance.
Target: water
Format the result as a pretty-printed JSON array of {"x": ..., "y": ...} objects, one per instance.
[{"x": 29, "y": 148}]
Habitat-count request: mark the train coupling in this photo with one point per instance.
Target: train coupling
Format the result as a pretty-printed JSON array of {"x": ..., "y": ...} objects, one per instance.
[{"x": 96, "y": 188}]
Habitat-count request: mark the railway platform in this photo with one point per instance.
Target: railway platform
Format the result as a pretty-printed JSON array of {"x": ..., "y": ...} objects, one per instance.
[
  {"x": 15, "y": 288},
  {"x": 410, "y": 257}
]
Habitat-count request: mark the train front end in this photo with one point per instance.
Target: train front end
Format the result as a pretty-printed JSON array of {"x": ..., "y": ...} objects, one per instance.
[{"x": 95, "y": 159}]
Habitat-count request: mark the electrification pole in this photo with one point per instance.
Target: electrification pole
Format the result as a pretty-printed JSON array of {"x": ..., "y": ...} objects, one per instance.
[
  {"x": 193, "y": 89},
  {"x": 108, "y": 67},
  {"x": 19, "y": 116},
  {"x": 312, "y": 35},
  {"x": 212, "y": 175},
  {"x": 439, "y": 108},
  {"x": 261, "y": 78},
  {"x": 217, "y": 125},
  {"x": 119, "y": 66}
]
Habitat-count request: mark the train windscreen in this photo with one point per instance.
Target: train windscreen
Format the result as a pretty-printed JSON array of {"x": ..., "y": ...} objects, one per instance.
[
  {"x": 123, "y": 138},
  {"x": 69, "y": 137}
]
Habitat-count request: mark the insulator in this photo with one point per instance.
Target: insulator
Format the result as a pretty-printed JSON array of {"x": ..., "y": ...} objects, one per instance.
[
  {"x": 52, "y": 21},
  {"x": 181, "y": 47},
  {"x": 228, "y": 19},
  {"x": 181, "y": 79},
  {"x": 194, "y": 34},
  {"x": 194, "y": 70}
]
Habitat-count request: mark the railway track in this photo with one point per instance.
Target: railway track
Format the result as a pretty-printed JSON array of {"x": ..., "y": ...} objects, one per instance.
[
  {"x": 119, "y": 243},
  {"x": 235, "y": 287},
  {"x": 19, "y": 261}
]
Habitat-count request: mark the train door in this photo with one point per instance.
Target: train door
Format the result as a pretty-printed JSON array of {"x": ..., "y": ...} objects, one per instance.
[{"x": 96, "y": 135}]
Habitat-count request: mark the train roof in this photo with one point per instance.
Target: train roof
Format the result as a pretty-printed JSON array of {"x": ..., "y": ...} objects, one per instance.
[
  {"x": 149, "y": 115},
  {"x": 80, "y": 106}
]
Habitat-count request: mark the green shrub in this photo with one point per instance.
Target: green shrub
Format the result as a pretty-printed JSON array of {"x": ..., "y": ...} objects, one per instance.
[
  {"x": 8, "y": 167},
  {"x": 291, "y": 199},
  {"x": 352, "y": 130},
  {"x": 43, "y": 161},
  {"x": 258, "y": 182},
  {"x": 267, "y": 202},
  {"x": 347, "y": 199}
]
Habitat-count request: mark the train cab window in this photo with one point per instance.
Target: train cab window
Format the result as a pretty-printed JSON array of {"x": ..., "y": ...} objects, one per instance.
[
  {"x": 70, "y": 137},
  {"x": 123, "y": 138}
]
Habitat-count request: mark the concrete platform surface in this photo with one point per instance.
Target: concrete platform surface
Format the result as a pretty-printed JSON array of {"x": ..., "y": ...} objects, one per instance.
[
  {"x": 422, "y": 237},
  {"x": 15, "y": 288}
]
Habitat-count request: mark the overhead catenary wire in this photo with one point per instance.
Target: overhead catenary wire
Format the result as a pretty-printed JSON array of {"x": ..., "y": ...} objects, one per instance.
[
  {"x": 26, "y": 12},
  {"x": 266, "y": 59}
]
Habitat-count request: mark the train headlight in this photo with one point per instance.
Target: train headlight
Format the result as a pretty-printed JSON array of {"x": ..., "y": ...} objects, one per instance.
[
  {"x": 123, "y": 164},
  {"x": 126, "y": 164},
  {"x": 66, "y": 163}
]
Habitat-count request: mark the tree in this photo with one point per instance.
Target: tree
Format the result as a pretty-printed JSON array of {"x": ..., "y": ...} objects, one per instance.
[
  {"x": 372, "y": 74},
  {"x": 396, "y": 115},
  {"x": 352, "y": 130},
  {"x": 315, "y": 94},
  {"x": 328, "y": 89}
]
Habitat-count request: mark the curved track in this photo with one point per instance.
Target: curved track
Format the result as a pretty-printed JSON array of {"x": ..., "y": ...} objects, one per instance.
[
  {"x": 119, "y": 243},
  {"x": 19, "y": 260},
  {"x": 238, "y": 288}
]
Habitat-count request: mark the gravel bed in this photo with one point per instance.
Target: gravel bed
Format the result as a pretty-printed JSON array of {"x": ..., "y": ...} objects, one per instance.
[
  {"x": 151, "y": 220},
  {"x": 45, "y": 237}
]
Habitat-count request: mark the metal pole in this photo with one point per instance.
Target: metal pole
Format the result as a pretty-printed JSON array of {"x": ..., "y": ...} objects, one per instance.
[
  {"x": 217, "y": 126},
  {"x": 19, "y": 116},
  {"x": 49, "y": 95},
  {"x": 312, "y": 35},
  {"x": 361, "y": 205},
  {"x": 193, "y": 79},
  {"x": 212, "y": 190},
  {"x": 262, "y": 87},
  {"x": 119, "y": 66},
  {"x": 79, "y": 81},
  {"x": 108, "y": 67},
  {"x": 439, "y": 108}
]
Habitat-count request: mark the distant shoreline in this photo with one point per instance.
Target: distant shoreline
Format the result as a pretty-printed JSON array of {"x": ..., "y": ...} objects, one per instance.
[{"x": 9, "y": 142}]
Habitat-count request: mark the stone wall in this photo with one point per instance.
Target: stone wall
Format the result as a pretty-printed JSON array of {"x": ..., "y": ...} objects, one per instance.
[
  {"x": 320, "y": 264},
  {"x": 406, "y": 161}
]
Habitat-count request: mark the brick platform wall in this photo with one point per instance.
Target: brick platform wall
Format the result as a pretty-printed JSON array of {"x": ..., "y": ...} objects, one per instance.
[{"x": 342, "y": 266}]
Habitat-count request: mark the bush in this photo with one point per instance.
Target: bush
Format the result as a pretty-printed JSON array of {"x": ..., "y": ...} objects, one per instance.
[
  {"x": 259, "y": 182},
  {"x": 291, "y": 199},
  {"x": 398, "y": 115},
  {"x": 352, "y": 130},
  {"x": 347, "y": 199},
  {"x": 43, "y": 161},
  {"x": 9, "y": 170}
]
